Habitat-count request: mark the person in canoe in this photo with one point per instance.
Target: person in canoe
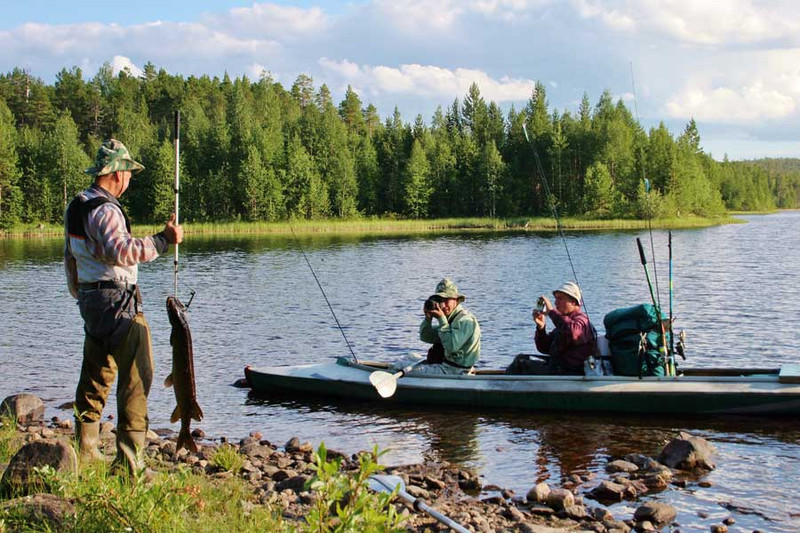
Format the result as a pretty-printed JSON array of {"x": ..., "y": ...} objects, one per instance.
[
  {"x": 569, "y": 344},
  {"x": 452, "y": 331}
]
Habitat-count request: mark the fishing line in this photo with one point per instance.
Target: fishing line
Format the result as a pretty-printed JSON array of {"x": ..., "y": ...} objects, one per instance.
[
  {"x": 647, "y": 191},
  {"x": 552, "y": 202},
  {"x": 338, "y": 325}
]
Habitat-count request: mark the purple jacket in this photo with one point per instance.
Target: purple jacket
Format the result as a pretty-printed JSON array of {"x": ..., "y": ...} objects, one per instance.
[{"x": 571, "y": 342}]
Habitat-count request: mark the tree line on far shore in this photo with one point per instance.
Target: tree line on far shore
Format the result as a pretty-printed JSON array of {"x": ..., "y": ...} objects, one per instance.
[{"x": 255, "y": 151}]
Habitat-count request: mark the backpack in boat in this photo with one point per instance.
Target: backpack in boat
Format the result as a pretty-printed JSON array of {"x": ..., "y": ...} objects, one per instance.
[{"x": 634, "y": 337}]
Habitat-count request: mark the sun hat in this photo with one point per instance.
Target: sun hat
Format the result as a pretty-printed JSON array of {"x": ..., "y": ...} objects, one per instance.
[
  {"x": 571, "y": 289},
  {"x": 111, "y": 157},
  {"x": 448, "y": 289}
]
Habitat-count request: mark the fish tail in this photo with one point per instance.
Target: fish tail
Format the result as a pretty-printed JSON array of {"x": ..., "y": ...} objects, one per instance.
[
  {"x": 185, "y": 440},
  {"x": 197, "y": 413}
]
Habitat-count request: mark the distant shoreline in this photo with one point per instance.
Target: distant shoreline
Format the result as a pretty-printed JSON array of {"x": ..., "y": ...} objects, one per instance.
[{"x": 388, "y": 226}]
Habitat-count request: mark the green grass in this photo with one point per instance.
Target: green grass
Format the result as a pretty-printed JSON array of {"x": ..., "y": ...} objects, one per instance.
[
  {"x": 381, "y": 226},
  {"x": 177, "y": 499},
  {"x": 227, "y": 458},
  {"x": 10, "y": 438}
]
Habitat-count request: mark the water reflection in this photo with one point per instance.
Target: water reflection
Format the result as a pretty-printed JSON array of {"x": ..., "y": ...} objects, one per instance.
[{"x": 258, "y": 304}]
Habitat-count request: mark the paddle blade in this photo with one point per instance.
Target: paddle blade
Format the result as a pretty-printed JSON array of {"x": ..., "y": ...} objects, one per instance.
[
  {"x": 384, "y": 382},
  {"x": 386, "y": 483}
]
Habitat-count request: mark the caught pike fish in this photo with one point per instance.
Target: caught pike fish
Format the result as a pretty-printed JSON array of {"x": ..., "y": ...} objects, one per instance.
[{"x": 182, "y": 376}]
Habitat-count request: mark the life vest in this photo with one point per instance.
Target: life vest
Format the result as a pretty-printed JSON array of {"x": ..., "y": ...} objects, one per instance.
[{"x": 78, "y": 213}]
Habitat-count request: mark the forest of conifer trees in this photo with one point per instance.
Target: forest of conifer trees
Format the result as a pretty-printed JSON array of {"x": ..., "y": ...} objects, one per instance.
[{"x": 255, "y": 151}]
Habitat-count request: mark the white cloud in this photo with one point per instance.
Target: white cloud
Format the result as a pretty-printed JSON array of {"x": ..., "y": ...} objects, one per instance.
[
  {"x": 741, "y": 87},
  {"x": 159, "y": 42},
  {"x": 724, "y": 104},
  {"x": 611, "y": 17},
  {"x": 428, "y": 81},
  {"x": 706, "y": 22},
  {"x": 121, "y": 63},
  {"x": 282, "y": 23},
  {"x": 418, "y": 16}
]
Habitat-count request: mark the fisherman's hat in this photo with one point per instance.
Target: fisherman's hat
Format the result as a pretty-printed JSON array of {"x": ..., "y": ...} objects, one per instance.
[
  {"x": 571, "y": 289},
  {"x": 111, "y": 157},
  {"x": 448, "y": 289}
]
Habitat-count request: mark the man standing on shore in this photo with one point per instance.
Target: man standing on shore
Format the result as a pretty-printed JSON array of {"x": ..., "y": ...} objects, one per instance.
[{"x": 100, "y": 260}]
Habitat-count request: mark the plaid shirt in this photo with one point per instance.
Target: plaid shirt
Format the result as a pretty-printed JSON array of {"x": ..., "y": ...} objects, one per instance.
[{"x": 110, "y": 252}]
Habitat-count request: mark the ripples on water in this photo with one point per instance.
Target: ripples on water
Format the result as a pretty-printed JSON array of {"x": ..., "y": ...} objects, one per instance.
[{"x": 258, "y": 304}]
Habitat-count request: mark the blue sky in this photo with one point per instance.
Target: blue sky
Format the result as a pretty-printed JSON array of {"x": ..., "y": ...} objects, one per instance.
[{"x": 732, "y": 65}]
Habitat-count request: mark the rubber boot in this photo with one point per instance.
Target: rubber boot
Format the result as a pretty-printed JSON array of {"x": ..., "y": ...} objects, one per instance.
[
  {"x": 88, "y": 436},
  {"x": 129, "y": 452}
]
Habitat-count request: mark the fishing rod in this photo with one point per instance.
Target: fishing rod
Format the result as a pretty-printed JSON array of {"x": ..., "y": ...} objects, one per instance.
[
  {"x": 647, "y": 192},
  {"x": 663, "y": 347},
  {"x": 177, "y": 191},
  {"x": 671, "y": 331},
  {"x": 176, "y": 206},
  {"x": 669, "y": 357},
  {"x": 338, "y": 325},
  {"x": 552, "y": 202}
]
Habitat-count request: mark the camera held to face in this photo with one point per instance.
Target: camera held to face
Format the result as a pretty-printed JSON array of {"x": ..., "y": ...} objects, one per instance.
[{"x": 432, "y": 303}]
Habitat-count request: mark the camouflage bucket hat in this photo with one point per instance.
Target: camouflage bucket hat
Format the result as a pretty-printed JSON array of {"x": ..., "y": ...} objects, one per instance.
[
  {"x": 111, "y": 157},
  {"x": 448, "y": 289}
]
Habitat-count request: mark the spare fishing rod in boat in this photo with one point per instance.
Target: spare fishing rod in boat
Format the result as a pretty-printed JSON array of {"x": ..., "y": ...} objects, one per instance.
[
  {"x": 647, "y": 193},
  {"x": 338, "y": 325},
  {"x": 663, "y": 347},
  {"x": 671, "y": 332},
  {"x": 551, "y": 200}
]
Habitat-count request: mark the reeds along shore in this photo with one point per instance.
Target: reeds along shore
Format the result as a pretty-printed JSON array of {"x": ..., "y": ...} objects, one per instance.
[{"x": 378, "y": 226}]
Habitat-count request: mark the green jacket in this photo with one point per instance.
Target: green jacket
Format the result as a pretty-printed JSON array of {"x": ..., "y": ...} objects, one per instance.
[{"x": 460, "y": 335}]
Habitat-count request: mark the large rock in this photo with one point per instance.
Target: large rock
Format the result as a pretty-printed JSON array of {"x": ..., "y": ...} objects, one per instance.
[
  {"x": 538, "y": 493},
  {"x": 20, "y": 477},
  {"x": 26, "y": 408},
  {"x": 560, "y": 499},
  {"x": 621, "y": 466},
  {"x": 295, "y": 483},
  {"x": 642, "y": 461},
  {"x": 687, "y": 452},
  {"x": 657, "y": 513},
  {"x": 608, "y": 491},
  {"x": 255, "y": 450},
  {"x": 44, "y": 510}
]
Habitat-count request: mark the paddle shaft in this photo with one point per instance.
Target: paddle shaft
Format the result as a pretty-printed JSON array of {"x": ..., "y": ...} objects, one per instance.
[
  {"x": 419, "y": 505},
  {"x": 390, "y": 380}
]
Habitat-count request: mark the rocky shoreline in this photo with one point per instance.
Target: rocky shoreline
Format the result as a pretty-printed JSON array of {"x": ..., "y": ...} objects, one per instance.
[{"x": 277, "y": 475}]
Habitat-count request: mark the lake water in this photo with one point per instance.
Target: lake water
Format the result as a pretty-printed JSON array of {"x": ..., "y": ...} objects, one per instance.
[{"x": 735, "y": 293}]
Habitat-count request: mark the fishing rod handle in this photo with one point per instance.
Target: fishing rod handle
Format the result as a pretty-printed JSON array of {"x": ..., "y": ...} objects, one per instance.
[{"x": 641, "y": 251}]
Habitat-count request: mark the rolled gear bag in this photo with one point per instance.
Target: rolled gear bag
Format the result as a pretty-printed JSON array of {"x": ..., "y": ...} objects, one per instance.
[{"x": 634, "y": 337}]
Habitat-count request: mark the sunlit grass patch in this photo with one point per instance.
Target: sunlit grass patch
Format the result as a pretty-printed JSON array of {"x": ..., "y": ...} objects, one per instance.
[{"x": 227, "y": 458}]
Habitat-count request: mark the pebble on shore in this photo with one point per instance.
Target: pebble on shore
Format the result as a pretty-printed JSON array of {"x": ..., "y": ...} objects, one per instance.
[{"x": 278, "y": 474}]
